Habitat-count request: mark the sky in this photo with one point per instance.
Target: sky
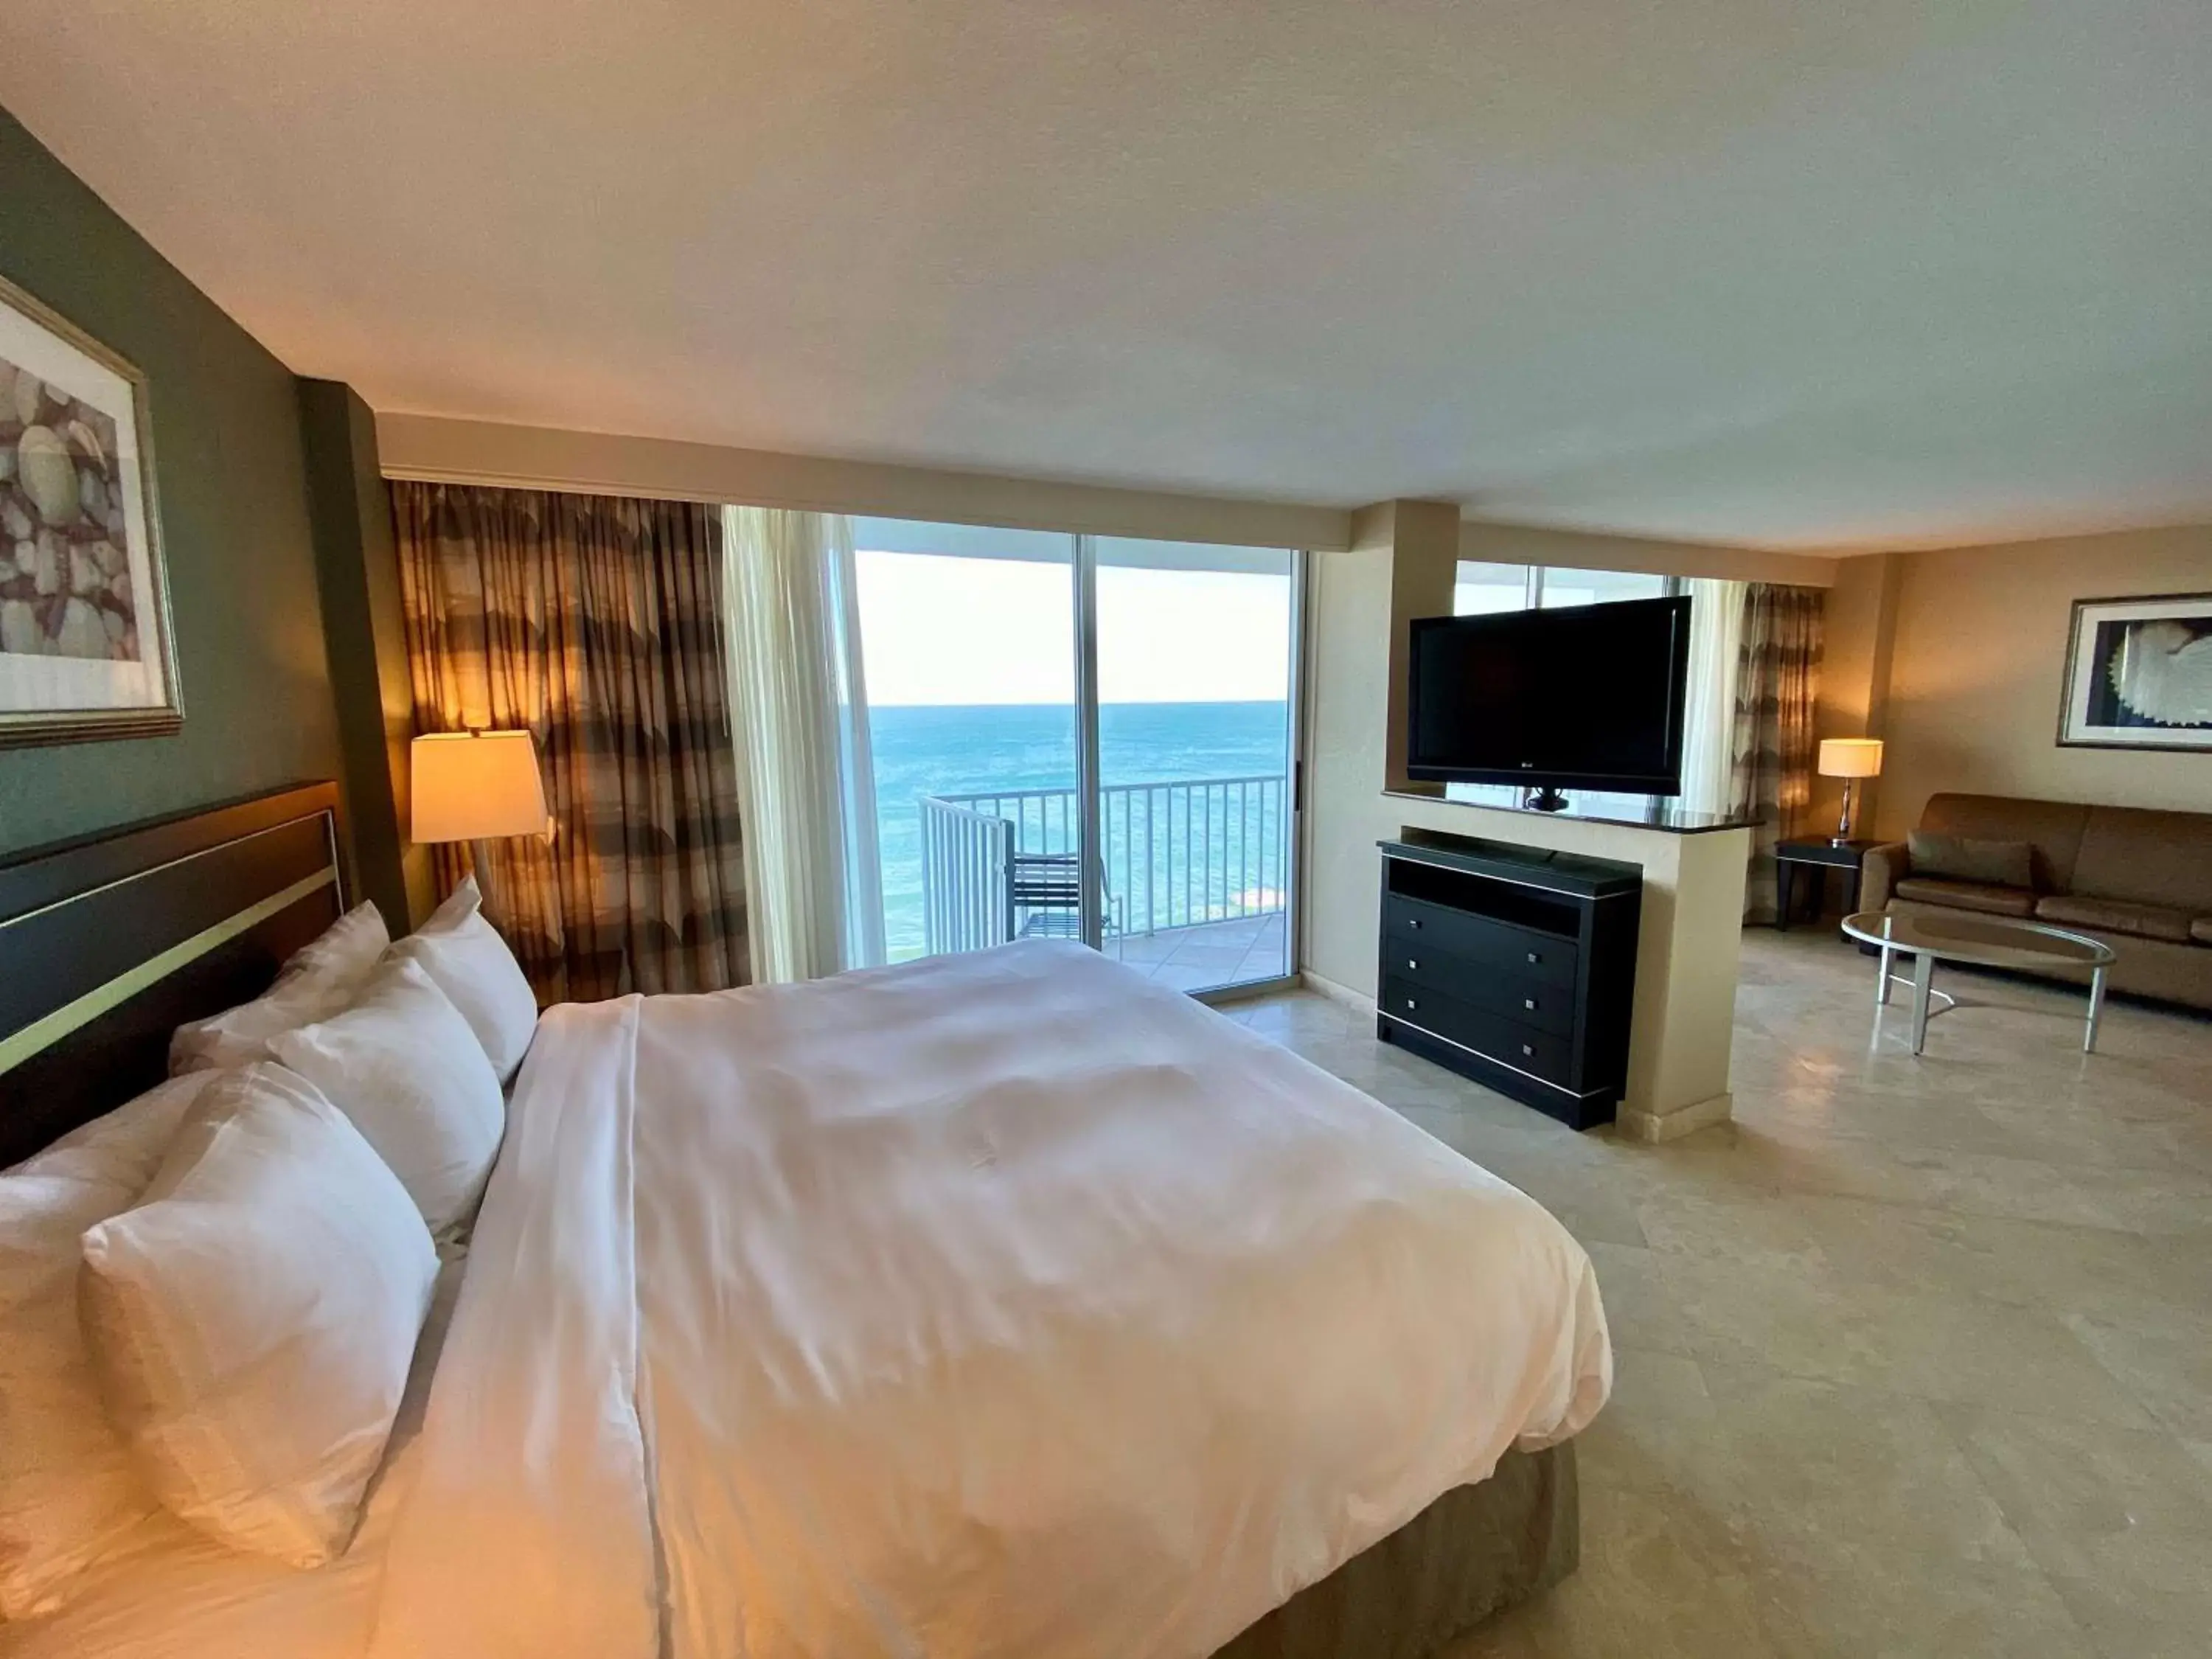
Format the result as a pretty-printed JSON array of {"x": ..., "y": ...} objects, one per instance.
[{"x": 967, "y": 631}]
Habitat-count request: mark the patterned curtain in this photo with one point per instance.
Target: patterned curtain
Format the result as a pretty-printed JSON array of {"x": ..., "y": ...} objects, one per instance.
[
  {"x": 1777, "y": 682},
  {"x": 591, "y": 621}
]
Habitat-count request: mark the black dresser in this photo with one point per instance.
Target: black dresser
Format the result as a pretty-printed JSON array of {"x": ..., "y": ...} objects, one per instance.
[{"x": 1513, "y": 966}]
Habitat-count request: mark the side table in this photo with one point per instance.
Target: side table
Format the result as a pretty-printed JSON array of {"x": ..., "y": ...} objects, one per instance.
[{"x": 1814, "y": 857}]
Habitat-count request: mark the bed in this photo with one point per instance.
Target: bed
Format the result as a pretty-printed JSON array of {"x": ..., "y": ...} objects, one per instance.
[{"x": 999, "y": 1304}]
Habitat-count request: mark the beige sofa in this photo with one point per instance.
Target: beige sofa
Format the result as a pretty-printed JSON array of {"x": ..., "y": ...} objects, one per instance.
[{"x": 2140, "y": 881}]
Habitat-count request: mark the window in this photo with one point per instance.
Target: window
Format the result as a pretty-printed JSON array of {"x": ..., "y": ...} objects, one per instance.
[
  {"x": 1481, "y": 588},
  {"x": 984, "y": 693},
  {"x": 1484, "y": 590},
  {"x": 1559, "y": 588}
]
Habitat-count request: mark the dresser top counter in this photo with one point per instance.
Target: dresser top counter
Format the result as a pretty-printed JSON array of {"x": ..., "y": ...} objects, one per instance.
[
  {"x": 1661, "y": 815},
  {"x": 1536, "y": 867}
]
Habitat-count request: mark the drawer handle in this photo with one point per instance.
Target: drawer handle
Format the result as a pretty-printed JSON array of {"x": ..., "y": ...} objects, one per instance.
[
  {"x": 1528, "y": 1048},
  {"x": 1413, "y": 963},
  {"x": 1529, "y": 1003},
  {"x": 1536, "y": 956},
  {"x": 1410, "y": 1003},
  {"x": 1413, "y": 923}
]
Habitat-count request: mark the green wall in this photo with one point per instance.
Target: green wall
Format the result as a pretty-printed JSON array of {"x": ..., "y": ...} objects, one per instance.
[{"x": 251, "y": 660}]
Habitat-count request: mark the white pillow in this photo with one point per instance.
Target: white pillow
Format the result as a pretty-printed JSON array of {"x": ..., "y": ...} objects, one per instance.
[
  {"x": 68, "y": 1489},
  {"x": 404, "y": 1066},
  {"x": 317, "y": 980},
  {"x": 251, "y": 1322},
  {"x": 466, "y": 958}
]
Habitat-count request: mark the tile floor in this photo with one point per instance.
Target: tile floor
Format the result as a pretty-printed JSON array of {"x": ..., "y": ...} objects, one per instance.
[
  {"x": 1209, "y": 954},
  {"x": 1914, "y": 1358}
]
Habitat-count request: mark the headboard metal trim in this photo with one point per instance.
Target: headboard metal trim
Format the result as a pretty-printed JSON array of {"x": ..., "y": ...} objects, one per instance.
[
  {"x": 151, "y": 870},
  {"x": 19, "y": 1046},
  {"x": 110, "y": 941}
]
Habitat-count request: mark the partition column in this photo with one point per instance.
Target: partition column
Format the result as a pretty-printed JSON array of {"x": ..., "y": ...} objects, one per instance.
[
  {"x": 1422, "y": 538},
  {"x": 364, "y": 629}
]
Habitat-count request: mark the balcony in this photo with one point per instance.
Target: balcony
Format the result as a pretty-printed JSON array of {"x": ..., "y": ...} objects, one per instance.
[{"x": 1196, "y": 875}]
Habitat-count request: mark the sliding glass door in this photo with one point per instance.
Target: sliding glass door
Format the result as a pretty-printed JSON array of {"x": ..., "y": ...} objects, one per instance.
[
  {"x": 970, "y": 665},
  {"x": 1195, "y": 741},
  {"x": 1080, "y": 738}
]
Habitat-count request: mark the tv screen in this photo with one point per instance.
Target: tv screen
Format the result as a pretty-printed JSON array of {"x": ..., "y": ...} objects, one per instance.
[{"x": 1585, "y": 697}]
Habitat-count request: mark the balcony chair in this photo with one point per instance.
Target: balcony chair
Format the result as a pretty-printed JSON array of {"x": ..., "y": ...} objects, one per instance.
[{"x": 1046, "y": 893}]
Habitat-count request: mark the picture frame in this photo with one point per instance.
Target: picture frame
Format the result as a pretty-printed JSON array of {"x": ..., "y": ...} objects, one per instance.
[
  {"x": 88, "y": 649},
  {"x": 2139, "y": 674}
]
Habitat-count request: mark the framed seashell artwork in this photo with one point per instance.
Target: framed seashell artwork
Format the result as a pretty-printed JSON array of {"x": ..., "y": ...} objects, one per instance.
[
  {"x": 86, "y": 649},
  {"x": 2139, "y": 674}
]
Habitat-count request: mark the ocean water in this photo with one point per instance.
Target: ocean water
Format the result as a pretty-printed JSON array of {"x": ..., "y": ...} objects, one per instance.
[{"x": 1173, "y": 855}]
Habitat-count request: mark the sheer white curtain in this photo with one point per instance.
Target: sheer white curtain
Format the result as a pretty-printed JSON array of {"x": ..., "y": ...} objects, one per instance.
[
  {"x": 799, "y": 703},
  {"x": 1709, "y": 719}
]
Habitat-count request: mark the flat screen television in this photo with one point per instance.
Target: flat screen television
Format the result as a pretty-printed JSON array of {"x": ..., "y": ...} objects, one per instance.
[{"x": 1587, "y": 696}]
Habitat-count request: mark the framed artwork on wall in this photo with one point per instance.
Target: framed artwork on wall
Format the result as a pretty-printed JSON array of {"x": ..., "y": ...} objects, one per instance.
[
  {"x": 2139, "y": 674},
  {"x": 86, "y": 649}
]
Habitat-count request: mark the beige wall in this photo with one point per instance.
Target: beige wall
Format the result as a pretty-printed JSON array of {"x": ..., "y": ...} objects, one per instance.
[
  {"x": 1976, "y": 648},
  {"x": 440, "y": 450},
  {"x": 437, "y": 450},
  {"x": 1858, "y": 632}
]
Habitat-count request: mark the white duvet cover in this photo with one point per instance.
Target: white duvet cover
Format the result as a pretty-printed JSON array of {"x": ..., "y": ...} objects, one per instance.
[{"x": 995, "y": 1305}]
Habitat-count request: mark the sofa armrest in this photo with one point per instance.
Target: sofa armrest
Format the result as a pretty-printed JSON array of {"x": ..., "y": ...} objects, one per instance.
[{"x": 1879, "y": 872}]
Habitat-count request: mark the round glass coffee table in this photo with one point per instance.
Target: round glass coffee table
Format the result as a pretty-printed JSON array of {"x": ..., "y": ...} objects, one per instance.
[{"x": 1985, "y": 942}]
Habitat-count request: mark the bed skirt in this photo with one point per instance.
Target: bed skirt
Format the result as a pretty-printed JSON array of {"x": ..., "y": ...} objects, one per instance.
[{"x": 1475, "y": 1552}]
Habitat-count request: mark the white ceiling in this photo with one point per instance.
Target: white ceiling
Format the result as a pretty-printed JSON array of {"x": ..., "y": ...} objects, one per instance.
[{"x": 1794, "y": 273}]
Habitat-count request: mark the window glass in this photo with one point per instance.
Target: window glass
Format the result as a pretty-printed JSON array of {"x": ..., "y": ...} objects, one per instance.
[
  {"x": 1482, "y": 590},
  {"x": 1566, "y": 588}
]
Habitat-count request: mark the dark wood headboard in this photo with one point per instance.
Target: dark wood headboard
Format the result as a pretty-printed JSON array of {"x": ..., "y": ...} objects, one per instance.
[{"x": 108, "y": 943}]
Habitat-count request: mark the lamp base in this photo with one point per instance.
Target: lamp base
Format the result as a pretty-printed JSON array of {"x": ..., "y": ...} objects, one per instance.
[
  {"x": 480, "y": 867},
  {"x": 1843, "y": 835}
]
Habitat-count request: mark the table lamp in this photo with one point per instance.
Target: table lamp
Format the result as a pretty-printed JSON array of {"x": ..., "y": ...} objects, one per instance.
[
  {"x": 476, "y": 786},
  {"x": 1848, "y": 758}
]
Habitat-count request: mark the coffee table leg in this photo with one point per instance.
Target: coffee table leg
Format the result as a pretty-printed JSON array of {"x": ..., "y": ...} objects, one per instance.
[
  {"x": 2096, "y": 1008},
  {"x": 1924, "y": 974},
  {"x": 1882, "y": 985}
]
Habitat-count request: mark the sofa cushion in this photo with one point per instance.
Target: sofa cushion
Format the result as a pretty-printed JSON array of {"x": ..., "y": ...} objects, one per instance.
[
  {"x": 2053, "y": 828},
  {"x": 2147, "y": 858},
  {"x": 1990, "y": 899},
  {"x": 2201, "y": 930},
  {"x": 2115, "y": 916},
  {"x": 1969, "y": 858}
]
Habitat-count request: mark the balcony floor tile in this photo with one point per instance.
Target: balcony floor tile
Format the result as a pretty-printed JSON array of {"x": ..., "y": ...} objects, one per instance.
[{"x": 1209, "y": 954}]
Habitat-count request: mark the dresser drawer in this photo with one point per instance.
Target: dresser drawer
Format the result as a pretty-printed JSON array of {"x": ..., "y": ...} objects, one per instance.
[
  {"x": 1506, "y": 989},
  {"x": 1526, "y": 953},
  {"x": 1540, "y": 1053}
]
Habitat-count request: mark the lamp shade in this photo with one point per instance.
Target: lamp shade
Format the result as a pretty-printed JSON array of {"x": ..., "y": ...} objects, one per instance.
[
  {"x": 1851, "y": 758},
  {"x": 476, "y": 785}
]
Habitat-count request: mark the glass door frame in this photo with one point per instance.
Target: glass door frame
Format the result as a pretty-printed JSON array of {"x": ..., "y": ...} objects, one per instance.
[
  {"x": 1090, "y": 845},
  {"x": 1089, "y": 839}
]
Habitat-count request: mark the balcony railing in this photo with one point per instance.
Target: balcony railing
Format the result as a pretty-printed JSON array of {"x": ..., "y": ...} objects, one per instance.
[
  {"x": 967, "y": 887},
  {"x": 1175, "y": 854}
]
